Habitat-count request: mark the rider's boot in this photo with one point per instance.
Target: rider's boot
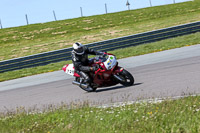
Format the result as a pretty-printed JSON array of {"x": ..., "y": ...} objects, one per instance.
[{"x": 87, "y": 81}]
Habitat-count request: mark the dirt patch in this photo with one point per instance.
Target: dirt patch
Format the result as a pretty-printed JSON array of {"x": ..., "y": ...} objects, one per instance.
[
  {"x": 14, "y": 56},
  {"x": 2, "y": 58},
  {"x": 47, "y": 29},
  {"x": 91, "y": 38},
  {"x": 88, "y": 21},
  {"x": 88, "y": 37},
  {"x": 29, "y": 38},
  {"x": 61, "y": 45},
  {"x": 5, "y": 39},
  {"x": 14, "y": 50},
  {"x": 25, "y": 48},
  {"x": 115, "y": 31},
  {"x": 41, "y": 45},
  {"x": 59, "y": 33},
  {"x": 15, "y": 37},
  {"x": 44, "y": 49},
  {"x": 25, "y": 51},
  {"x": 35, "y": 32},
  {"x": 12, "y": 32},
  {"x": 87, "y": 28}
]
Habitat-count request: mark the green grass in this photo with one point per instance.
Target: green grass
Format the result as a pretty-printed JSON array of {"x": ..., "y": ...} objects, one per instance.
[
  {"x": 37, "y": 38},
  {"x": 177, "y": 42},
  {"x": 182, "y": 116}
]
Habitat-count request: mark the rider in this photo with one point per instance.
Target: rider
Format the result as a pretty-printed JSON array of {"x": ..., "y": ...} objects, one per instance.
[{"x": 81, "y": 62}]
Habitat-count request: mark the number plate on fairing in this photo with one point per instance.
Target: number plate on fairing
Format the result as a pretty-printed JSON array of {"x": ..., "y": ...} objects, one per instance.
[{"x": 70, "y": 69}]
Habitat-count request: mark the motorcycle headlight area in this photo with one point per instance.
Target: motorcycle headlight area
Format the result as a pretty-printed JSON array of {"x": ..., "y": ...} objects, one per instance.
[{"x": 110, "y": 62}]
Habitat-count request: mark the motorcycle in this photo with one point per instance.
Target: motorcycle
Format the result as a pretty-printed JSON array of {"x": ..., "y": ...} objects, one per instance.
[{"x": 108, "y": 73}]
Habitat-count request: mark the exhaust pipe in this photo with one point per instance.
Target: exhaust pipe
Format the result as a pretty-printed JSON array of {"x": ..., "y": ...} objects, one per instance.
[{"x": 79, "y": 84}]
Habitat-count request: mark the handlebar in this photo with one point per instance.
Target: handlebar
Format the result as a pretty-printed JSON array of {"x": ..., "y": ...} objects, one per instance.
[{"x": 100, "y": 57}]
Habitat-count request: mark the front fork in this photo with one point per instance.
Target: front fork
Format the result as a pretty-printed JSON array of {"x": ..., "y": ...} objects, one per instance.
[{"x": 116, "y": 72}]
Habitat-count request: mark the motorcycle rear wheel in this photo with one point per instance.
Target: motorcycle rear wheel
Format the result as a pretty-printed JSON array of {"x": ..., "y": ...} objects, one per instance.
[{"x": 128, "y": 79}]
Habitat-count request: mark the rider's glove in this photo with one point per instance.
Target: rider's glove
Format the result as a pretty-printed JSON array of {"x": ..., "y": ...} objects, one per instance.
[
  {"x": 101, "y": 53},
  {"x": 104, "y": 54}
]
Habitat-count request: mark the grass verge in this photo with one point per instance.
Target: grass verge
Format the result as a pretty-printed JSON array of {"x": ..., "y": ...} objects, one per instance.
[
  {"x": 182, "y": 115},
  {"x": 177, "y": 42}
]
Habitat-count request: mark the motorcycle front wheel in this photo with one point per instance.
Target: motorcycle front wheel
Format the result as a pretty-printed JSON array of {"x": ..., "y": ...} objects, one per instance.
[{"x": 127, "y": 78}]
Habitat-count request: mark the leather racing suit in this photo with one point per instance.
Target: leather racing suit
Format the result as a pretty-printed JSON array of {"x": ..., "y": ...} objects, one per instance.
[{"x": 81, "y": 62}]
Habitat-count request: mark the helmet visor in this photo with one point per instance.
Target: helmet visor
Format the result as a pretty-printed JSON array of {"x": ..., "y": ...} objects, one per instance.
[{"x": 80, "y": 50}]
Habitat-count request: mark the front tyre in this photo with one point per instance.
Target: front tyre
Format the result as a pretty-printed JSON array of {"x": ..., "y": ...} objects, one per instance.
[{"x": 127, "y": 78}]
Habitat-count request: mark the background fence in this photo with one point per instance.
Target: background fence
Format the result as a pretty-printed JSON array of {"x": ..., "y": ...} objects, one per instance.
[
  {"x": 108, "y": 45},
  {"x": 15, "y": 17}
]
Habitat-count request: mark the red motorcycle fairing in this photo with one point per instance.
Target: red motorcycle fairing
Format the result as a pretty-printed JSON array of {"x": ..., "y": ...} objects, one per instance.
[
  {"x": 76, "y": 75},
  {"x": 103, "y": 77},
  {"x": 118, "y": 70},
  {"x": 65, "y": 67}
]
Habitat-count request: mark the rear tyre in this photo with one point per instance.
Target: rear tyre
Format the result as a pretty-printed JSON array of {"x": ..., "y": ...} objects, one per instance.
[{"x": 127, "y": 78}]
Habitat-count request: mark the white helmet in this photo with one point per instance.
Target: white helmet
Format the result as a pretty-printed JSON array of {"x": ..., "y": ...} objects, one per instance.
[{"x": 78, "y": 48}]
